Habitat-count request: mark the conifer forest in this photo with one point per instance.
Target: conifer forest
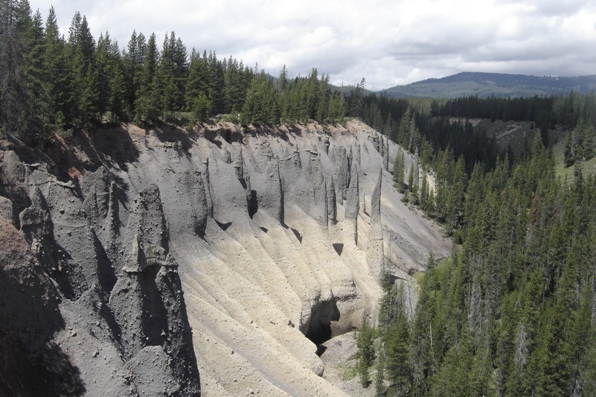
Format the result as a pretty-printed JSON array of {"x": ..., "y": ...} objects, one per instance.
[{"x": 512, "y": 311}]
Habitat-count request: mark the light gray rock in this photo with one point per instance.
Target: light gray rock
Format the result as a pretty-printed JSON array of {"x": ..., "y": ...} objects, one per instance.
[
  {"x": 255, "y": 247},
  {"x": 7, "y": 210},
  {"x": 342, "y": 174},
  {"x": 331, "y": 203},
  {"x": 374, "y": 251}
]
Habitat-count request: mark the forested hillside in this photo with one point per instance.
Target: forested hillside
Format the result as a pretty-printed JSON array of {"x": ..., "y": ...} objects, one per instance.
[
  {"x": 511, "y": 312},
  {"x": 493, "y": 84},
  {"x": 52, "y": 82}
]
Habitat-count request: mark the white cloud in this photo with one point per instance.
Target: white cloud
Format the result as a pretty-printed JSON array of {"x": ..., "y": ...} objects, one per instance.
[{"x": 384, "y": 41}]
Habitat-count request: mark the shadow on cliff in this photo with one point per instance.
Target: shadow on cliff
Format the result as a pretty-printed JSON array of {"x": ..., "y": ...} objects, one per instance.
[
  {"x": 66, "y": 159},
  {"x": 45, "y": 372},
  {"x": 322, "y": 314},
  {"x": 176, "y": 137},
  {"x": 112, "y": 144},
  {"x": 31, "y": 364}
]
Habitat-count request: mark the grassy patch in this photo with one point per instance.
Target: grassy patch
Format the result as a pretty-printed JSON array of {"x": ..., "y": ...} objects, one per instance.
[
  {"x": 419, "y": 276},
  {"x": 443, "y": 265},
  {"x": 509, "y": 133},
  {"x": 347, "y": 371},
  {"x": 566, "y": 173},
  {"x": 440, "y": 269}
]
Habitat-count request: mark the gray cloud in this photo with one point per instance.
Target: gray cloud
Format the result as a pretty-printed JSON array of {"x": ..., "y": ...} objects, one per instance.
[{"x": 386, "y": 42}]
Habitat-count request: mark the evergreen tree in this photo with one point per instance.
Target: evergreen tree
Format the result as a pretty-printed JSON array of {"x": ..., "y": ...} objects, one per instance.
[
  {"x": 216, "y": 83},
  {"x": 81, "y": 59},
  {"x": 282, "y": 81},
  {"x": 397, "y": 355},
  {"x": 366, "y": 352},
  {"x": 399, "y": 170},
  {"x": 13, "y": 91},
  {"x": 455, "y": 204},
  {"x": 147, "y": 104},
  {"x": 424, "y": 191},
  {"x": 261, "y": 102},
  {"x": 380, "y": 376},
  {"x": 58, "y": 82},
  {"x": 36, "y": 116}
]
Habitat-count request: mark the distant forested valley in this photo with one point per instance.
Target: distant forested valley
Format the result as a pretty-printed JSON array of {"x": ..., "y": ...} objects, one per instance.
[{"x": 510, "y": 313}]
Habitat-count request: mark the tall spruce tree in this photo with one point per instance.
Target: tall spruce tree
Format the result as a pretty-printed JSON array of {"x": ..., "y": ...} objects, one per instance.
[{"x": 13, "y": 90}]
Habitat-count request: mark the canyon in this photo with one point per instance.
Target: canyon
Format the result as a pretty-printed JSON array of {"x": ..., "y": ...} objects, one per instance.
[{"x": 135, "y": 259}]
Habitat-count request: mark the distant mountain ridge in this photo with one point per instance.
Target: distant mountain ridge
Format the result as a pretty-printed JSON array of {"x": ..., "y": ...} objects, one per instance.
[{"x": 492, "y": 84}]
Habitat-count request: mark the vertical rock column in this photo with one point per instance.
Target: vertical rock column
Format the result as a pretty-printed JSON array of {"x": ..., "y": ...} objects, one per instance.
[
  {"x": 149, "y": 307},
  {"x": 331, "y": 204},
  {"x": 353, "y": 203},
  {"x": 320, "y": 206},
  {"x": 207, "y": 185},
  {"x": 342, "y": 174},
  {"x": 201, "y": 209},
  {"x": 297, "y": 160},
  {"x": 276, "y": 202},
  {"x": 374, "y": 250},
  {"x": 386, "y": 155}
]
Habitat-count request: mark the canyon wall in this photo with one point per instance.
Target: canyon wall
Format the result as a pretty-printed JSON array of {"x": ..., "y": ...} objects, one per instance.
[{"x": 153, "y": 255}]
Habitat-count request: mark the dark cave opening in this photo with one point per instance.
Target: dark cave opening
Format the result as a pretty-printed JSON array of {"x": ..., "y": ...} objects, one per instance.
[
  {"x": 339, "y": 248},
  {"x": 319, "y": 329}
]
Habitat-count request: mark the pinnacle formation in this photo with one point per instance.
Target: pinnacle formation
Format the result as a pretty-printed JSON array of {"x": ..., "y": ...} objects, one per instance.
[{"x": 230, "y": 252}]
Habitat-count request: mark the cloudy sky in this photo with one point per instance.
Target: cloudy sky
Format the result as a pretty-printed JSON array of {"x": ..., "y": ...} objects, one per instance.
[{"x": 386, "y": 42}]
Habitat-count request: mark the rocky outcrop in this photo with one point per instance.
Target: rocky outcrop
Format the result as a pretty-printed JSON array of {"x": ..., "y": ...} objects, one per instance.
[
  {"x": 102, "y": 276},
  {"x": 342, "y": 173},
  {"x": 386, "y": 155},
  {"x": 331, "y": 201},
  {"x": 352, "y": 207},
  {"x": 31, "y": 363},
  {"x": 266, "y": 242},
  {"x": 374, "y": 252}
]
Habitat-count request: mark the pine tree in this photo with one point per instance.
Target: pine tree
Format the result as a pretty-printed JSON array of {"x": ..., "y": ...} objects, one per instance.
[
  {"x": 380, "y": 375},
  {"x": 165, "y": 76},
  {"x": 569, "y": 151},
  {"x": 147, "y": 104},
  {"x": 261, "y": 104},
  {"x": 282, "y": 81},
  {"x": 397, "y": 356},
  {"x": 36, "y": 116},
  {"x": 402, "y": 136},
  {"x": 13, "y": 90},
  {"x": 399, "y": 170},
  {"x": 197, "y": 83},
  {"x": 424, "y": 191},
  {"x": 81, "y": 59},
  {"x": 202, "y": 108},
  {"x": 58, "y": 81},
  {"x": 216, "y": 83},
  {"x": 455, "y": 203},
  {"x": 234, "y": 87},
  {"x": 366, "y": 352}
]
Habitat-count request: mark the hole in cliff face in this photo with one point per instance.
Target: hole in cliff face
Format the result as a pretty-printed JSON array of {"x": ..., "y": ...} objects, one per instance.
[
  {"x": 253, "y": 204},
  {"x": 297, "y": 234},
  {"x": 319, "y": 330},
  {"x": 223, "y": 226},
  {"x": 339, "y": 248}
]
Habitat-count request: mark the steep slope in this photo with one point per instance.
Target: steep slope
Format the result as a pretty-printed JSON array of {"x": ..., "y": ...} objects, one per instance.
[
  {"x": 267, "y": 241},
  {"x": 91, "y": 300}
]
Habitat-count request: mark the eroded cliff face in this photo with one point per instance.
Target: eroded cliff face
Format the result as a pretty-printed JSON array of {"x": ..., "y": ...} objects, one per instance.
[{"x": 265, "y": 242}]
